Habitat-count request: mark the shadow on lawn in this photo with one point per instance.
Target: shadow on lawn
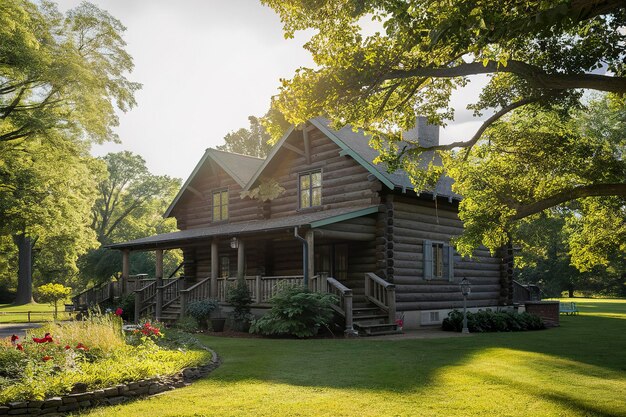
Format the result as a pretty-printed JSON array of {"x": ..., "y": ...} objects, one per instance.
[{"x": 594, "y": 345}]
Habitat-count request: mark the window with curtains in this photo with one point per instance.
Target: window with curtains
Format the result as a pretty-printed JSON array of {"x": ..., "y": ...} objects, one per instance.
[
  {"x": 220, "y": 205},
  {"x": 438, "y": 260},
  {"x": 310, "y": 189}
]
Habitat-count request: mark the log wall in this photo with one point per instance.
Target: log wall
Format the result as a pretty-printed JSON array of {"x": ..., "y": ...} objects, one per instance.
[
  {"x": 195, "y": 210},
  {"x": 345, "y": 183},
  {"x": 410, "y": 221}
]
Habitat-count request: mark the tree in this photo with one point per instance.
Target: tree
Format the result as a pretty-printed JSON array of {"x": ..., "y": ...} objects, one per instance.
[
  {"x": 52, "y": 294},
  {"x": 45, "y": 201},
  {"x": 254, "y": 141},
  {"x": 538, "y": 55},
  {"x": 130, "y": 205},
  {"x": 130, "y": 194},
  {"x": 61, "y": 72}
]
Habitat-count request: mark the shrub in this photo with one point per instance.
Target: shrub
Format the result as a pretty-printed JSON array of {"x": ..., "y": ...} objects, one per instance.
[
  {"x": 492, "y": 321},
  {"x": 201, "y": 310},
  {"x": 239, "y": 297},
  {"x": 296, "y": 311},
  {"x": 187, "y": 324}
]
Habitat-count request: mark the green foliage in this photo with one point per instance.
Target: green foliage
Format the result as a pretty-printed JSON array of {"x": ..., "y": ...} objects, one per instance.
[
  {"x": 538, "y": 56},
  {"x": 267, "y": 190},
  {"x": 52, "y": 294},
  {"x": 201, "y": 310},
  {"x": 296, "y": 311},
  {"x": 187, "y": 324},
  {"x": 254, "y": 141},
  {"x": 239, "y": 297},
  {"x": 492, "y": 321},
  {"x": 62, "y": 73},
  {"x": 94, "y": 352},
  {"x": 130, "y": 205}
]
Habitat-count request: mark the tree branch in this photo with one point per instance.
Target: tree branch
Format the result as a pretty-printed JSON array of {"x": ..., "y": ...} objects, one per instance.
[
  {"x": 535, "y": 76},
  {"x": 472, "y": 141},
  {"x": 593, "y": 190}
]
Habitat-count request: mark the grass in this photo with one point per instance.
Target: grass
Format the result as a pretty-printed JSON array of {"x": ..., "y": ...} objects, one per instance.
[
  {"x": 578, "y": 369},
  {"x": 39, "y": 313}
]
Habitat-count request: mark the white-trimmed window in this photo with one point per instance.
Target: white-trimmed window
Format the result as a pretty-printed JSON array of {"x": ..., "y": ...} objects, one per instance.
[
  {"x": 220, "y": 205},
  {"x": 310, "y": 189},
  {"x": 438, "y": 261}
]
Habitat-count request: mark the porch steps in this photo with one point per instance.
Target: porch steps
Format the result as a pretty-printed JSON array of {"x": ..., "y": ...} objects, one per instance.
[
  {"x": 171, "y": 313},
  {"x": 372, "y": 321}
]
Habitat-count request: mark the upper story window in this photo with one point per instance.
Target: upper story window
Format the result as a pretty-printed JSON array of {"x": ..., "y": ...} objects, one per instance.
[
  {"x": 310, "y": 189},
  {"x": 220, "y": 205}
]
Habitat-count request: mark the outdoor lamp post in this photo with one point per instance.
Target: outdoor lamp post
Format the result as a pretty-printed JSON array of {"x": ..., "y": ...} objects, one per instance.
[{"x": 466, "y": 288}]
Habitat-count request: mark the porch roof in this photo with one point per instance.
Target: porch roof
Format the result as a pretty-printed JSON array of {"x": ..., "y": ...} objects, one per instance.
[{"x": 312, "y": 220}]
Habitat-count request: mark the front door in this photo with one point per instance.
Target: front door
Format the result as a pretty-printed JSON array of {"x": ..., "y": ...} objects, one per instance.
[{"x": 332, "y": 259}]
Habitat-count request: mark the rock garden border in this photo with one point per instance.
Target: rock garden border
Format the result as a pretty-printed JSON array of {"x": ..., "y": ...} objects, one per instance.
[{"x": 80, "y": 398}]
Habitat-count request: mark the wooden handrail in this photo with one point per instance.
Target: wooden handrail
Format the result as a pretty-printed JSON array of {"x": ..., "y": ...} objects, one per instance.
[
  {"x": 381, "y": 293},
  {"x": 345, "y": 302},
  {"x": 143, "y": 299},
  {"x": 199, "y": 291}
]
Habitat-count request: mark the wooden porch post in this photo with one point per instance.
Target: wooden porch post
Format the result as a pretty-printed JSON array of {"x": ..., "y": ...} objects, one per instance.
[
  {"x": 125, "y": 272},
  {"x": 311, "y": 257},
  {"x": 214, "y": 267},
  {"x": 159, "y": 283},
  {"x": 241, "y": 254}
]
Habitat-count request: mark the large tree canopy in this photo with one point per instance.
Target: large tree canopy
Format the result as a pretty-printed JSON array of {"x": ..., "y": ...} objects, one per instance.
[
  {"x": 539, "y": 57},
  {"x": 61, "y": 72},
  {"x": 130, "y": 205},
  {"x": 48, "y": 188}
]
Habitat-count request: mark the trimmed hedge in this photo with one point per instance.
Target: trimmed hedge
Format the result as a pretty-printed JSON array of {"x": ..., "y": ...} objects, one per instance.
[{"x": 492, "y": 321}]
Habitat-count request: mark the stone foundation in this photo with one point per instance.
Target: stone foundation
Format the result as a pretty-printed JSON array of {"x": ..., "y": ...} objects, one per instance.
[{"x": 109, "y": 396}]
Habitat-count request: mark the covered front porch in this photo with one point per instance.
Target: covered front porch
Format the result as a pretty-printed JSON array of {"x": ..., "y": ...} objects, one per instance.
[{"x": 327, "y": 251}]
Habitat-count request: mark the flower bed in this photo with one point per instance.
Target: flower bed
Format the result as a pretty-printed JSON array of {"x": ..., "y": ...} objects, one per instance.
[{"x": 88, "y": 355}]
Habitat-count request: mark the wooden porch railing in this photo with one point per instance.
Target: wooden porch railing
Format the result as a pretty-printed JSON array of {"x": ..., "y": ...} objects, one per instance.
[
  {"x": 199, "y": 291},
  {"x": 171, "y": 290},
  {"x": 93, "y": 296},
  {"x": 262, "y": 289},
  {"x": 144, "y": 300},
  {"x": 344, "y": 305},
  {"x": 381, "y": 293}
]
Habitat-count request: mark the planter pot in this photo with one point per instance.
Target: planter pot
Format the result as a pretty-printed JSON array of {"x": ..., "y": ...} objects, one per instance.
[{"x": 218, "y": 324}]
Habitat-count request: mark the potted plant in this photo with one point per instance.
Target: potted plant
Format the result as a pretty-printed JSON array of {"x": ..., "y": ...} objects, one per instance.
[
  {"x": 201, "y": 311},
  {"x": 239, "y": 297}
]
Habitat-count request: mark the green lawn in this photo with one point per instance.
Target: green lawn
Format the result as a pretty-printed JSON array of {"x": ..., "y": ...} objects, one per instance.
[
  {"x": 578, "y": 369},
  {"x": 19, "y": 314}
]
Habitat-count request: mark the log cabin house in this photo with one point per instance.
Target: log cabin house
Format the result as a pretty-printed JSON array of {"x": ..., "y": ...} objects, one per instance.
[{"x": 337, "y": 222}]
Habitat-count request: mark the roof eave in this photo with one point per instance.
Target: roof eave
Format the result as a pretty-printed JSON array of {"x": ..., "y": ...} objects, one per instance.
[{"x": 346, "y": 150}]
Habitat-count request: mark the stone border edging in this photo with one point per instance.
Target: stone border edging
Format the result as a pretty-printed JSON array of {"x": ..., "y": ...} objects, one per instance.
[{"x": 118, "y": 394}]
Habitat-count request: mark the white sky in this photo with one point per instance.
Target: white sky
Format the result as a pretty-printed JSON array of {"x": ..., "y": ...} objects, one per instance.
[{"x": 205, "y": 66}]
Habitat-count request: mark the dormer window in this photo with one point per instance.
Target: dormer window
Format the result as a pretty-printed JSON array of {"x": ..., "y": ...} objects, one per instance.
[
  {"x": 310, "y": 189},
  {"x": 220, "y": 205}
]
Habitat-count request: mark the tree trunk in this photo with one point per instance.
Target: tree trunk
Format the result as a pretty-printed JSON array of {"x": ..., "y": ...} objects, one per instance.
[
  {"x": 570, "y": 291},
  {"x": 25, "y": 269}
]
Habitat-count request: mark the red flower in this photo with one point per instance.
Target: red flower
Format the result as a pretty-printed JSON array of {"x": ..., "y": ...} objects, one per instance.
[
  {"x": 82, "y": 347},
  {"x": 119, "y": 312},
  {"x": 14, "y": 338},
  {"x": 67, "y": 347},
  {"x": 19, "y": 346},
  {"x": 46, "y": 339},
  {"x": 46, "y": 358}
]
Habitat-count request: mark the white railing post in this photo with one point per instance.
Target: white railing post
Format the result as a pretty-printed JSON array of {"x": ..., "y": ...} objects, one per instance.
[
  {"x": 391, "y": 301},
  {"x": 348, "y": 310}
]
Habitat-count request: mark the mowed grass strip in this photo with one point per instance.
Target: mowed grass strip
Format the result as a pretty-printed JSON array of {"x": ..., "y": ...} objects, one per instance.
[
  {"x": 578, "y": 369},
  {"x": 39, "y": 312}
]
